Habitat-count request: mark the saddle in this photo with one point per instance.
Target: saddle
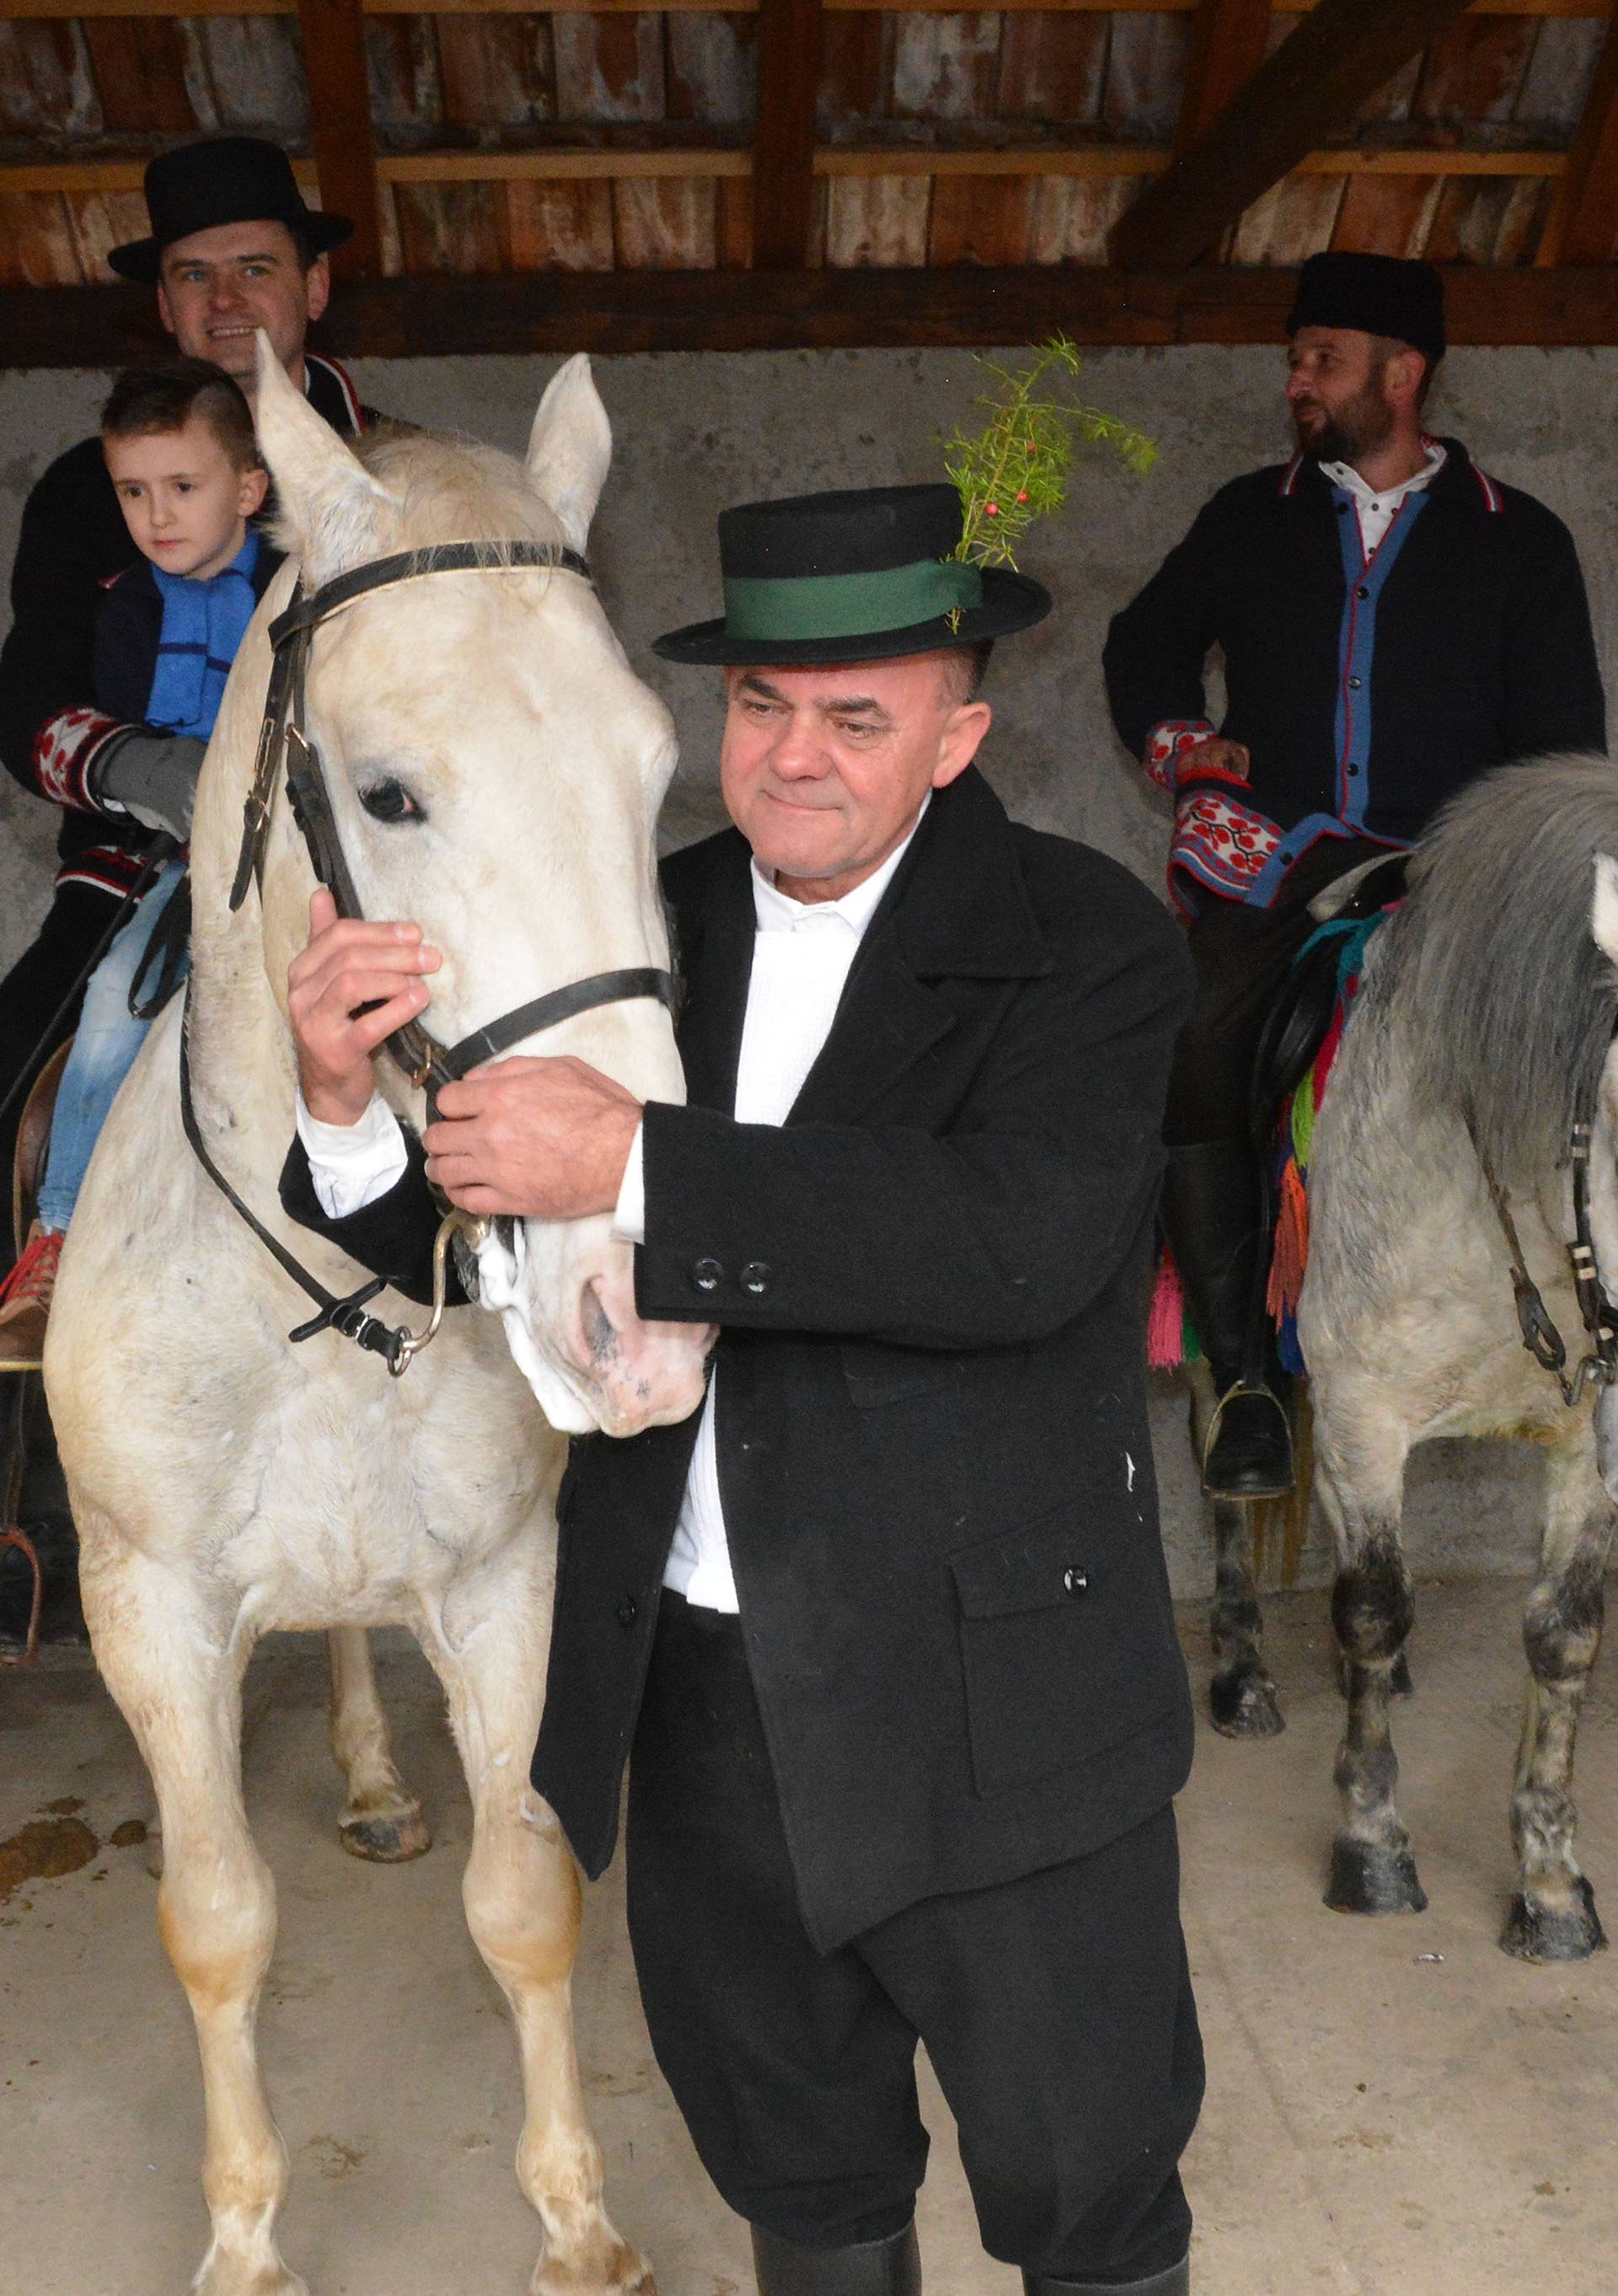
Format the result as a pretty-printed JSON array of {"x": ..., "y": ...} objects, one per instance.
[{"x": 1302, "y": 1012}]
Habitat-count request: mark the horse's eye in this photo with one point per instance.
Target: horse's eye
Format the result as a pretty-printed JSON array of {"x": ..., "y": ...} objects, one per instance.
[{"x": 390, "y": 801}]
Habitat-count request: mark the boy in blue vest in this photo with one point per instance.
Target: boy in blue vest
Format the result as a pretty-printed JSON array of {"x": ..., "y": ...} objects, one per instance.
[{"x": 185, "y": 467}]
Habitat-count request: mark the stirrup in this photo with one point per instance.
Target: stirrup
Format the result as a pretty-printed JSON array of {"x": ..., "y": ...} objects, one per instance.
[{"x": 1263, "y": 1467}]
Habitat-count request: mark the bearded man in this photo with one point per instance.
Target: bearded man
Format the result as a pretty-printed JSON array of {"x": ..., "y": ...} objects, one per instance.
[{"x": 1393, "y": 622}]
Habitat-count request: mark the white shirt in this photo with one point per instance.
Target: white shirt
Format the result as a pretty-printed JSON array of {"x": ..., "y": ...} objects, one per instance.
[
  {"x": 802, "y": 954},
  {"x": 1377, "y": 511}
]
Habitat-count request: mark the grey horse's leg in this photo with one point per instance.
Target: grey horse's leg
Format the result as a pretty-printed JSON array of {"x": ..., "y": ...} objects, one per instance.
[
  {"x": 1373, "y": 1605},
  {"x": 381, "y": 1819},
  {"x": 1242, "y": 1696},
  {"x": 1553, "y": 1916}
]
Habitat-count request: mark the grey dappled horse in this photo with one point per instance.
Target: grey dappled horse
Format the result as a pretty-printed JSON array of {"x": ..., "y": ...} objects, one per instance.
[{"x": 1483, "y": 1030}]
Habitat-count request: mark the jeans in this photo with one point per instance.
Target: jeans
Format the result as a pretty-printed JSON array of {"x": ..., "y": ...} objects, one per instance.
[{"x": 103, "y": 1053}]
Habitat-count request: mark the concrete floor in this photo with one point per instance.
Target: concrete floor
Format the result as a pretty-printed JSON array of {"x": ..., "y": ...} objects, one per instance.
[{"x": 1395, "y": 2108}]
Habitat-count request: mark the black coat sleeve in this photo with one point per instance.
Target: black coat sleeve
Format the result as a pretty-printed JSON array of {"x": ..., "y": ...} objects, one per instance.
[
  {"x": 997, "y": 1233},
  {"x": 72, "y": 536},
  {"x": 392, "y": 1235},
  {"x": 1157, "y": 648},
  {"x": 1554, "y": 697}
]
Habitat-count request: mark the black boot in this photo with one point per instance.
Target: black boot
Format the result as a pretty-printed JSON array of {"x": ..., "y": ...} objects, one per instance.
[
  {"x": 1215, "y": 1215},
  {"x": 1175, "y": 2282},
  {"x": 870, "y": 2267}
]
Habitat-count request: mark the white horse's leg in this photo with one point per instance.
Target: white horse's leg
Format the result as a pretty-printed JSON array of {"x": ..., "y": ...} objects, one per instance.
[
  {"x": 381, "y": 1818},
  {"x": 521, "y": 1892},
  {"x": 1361, "y": 1457},
  {"x": 1553, "y": 1916},
  {"x": 180, "y": 1695}
]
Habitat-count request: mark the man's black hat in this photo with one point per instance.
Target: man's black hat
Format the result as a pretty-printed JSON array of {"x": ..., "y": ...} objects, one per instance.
[
  {"x": 863, "y": 575},
  {"x": 1379, "y": 294},
  {"x": 232, "y": 179}
]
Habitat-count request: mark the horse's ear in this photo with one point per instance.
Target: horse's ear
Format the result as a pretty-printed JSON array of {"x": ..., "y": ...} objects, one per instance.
[
  {"x": 1604, "y": 908},
  {"x": 328, "y": 501},
  {"x": 570, "y": 447}
]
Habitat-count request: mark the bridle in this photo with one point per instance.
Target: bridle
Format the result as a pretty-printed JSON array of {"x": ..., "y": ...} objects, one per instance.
[
  {"x": 1598, "y": 1367},
  {"x": 284, "y": 741}
]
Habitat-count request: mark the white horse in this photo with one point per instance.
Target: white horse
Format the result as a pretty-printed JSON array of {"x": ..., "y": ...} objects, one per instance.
[{"x": 495, "y": 773}]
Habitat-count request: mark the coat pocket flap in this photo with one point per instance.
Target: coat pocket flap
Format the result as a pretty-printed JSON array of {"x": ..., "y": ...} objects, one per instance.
[{"x": 1029, "y": 1570}]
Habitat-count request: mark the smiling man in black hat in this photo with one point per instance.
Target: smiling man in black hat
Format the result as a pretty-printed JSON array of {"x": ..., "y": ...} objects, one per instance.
[
  {"x": 232, "y": 246},
  {"x": 886, "y": 1626},
  {"x": 1393, "y": 621}
]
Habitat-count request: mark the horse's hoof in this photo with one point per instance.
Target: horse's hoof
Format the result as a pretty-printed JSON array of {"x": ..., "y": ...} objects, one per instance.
[
  {"x": 1398, "y": 1681},
  {"x": 1367, "y": 1880},
  {"x": 223, "y": 2275},
  {"x": 1245, "y": 1704},
  {"x": 387, "y": 1841},
  {"x": 626, "y": 2273},
  {"x": 1537, "y": 1933}
]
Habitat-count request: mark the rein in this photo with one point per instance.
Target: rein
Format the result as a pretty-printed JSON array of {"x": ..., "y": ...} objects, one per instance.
[{"x": 284, "y": 743}]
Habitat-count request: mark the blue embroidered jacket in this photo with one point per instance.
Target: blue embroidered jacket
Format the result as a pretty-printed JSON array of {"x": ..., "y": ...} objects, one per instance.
[{"x": 1367, "y": 691}]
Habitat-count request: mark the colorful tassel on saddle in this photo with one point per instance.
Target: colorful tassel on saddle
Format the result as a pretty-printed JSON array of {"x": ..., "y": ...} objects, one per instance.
[{"x": 1171, "y": 1336}]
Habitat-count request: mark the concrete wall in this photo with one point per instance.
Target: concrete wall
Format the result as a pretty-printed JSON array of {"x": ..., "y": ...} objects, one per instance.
[{"x": 695, "y": 432}]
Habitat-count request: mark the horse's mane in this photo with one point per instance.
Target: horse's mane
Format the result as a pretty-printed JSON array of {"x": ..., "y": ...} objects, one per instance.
[
  {"x": 1505, "y": 1003},
  {"x": 443, "y": 488}
]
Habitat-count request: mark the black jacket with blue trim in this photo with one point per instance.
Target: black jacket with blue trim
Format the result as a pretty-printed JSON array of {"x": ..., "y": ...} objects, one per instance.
[{"x": 1474, "y": 649}]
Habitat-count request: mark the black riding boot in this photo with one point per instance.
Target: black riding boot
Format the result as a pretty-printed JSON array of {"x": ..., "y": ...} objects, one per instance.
[
  {"x": 870, "y": 2267},
  {"x": 1175, "y": 2282},
  {"x": 1214, "y": 1212}
]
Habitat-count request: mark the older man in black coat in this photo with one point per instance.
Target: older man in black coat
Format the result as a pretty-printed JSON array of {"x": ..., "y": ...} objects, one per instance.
[{"x": 885, "y": 1635}]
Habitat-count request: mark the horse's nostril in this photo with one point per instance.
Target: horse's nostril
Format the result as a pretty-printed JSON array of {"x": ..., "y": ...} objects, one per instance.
[
  {"x": 505, "y": 1234},
  {"x": 599, "y": 1337}
]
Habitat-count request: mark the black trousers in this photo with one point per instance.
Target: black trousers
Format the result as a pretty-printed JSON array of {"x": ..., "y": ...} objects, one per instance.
[
  {"x": 29, "y": 994},
  {"x": 1057, "y": 2010},
  {"x": 1242, "y": 957}
]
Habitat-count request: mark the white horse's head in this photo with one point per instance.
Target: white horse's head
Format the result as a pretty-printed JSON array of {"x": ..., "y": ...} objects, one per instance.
[{"x": 495, "y": 769}]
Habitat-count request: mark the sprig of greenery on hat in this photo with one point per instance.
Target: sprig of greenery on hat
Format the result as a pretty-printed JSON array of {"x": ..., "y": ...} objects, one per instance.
[{"x": 1016, "y": 469}]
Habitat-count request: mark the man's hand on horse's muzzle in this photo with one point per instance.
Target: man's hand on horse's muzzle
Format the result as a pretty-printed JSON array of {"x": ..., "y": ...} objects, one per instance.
[
  {"x": 352, "y": 986},
  {"x": 536, "y": 1139}
]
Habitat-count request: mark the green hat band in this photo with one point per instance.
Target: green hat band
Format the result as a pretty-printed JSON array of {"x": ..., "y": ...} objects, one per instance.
[{"x": 772, "y": 607}]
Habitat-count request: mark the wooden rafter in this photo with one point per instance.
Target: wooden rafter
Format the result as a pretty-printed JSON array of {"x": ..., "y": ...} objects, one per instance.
[
  {"x": 1308, "y": 89},
  {"x": 340, "y": 127},
  {"x": 551, "y": 311},
  {"x": 611, "y": 163},
  {"x": 1226, "y": 50},
  {"x": 1583, "y": 225},
  {"x": 783, "y": 132}
]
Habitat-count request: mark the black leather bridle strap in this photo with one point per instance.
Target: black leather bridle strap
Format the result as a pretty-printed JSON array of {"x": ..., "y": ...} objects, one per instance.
[
  {"x": 345, "y": 1315},
  {"x": 548, "y": 1012},
  {"x": 427, "y": 1063},
  {"x": 306, "y": 610}
]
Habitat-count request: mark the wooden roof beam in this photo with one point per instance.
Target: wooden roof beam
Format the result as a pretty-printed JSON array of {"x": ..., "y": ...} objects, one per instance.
[
  {"x": 783, "y": 133},
  {"x": 1308, "y": 89},
  {"x": 547, "y": 312},
  {"x": 1226, "y": 48},
  {"x": 340, "y": 128},
  {"x": 1583, "y": 224}
]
